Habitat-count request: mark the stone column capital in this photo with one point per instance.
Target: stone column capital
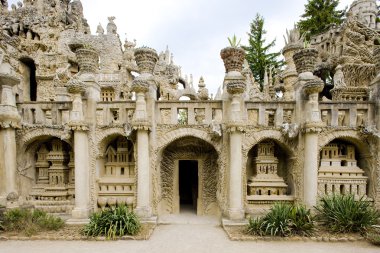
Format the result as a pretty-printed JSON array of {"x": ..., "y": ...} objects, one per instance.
[
  {"x": 313, "y": 127},
  {"x": 235, "y": 127},
  {"x": 78, "y": 126}
]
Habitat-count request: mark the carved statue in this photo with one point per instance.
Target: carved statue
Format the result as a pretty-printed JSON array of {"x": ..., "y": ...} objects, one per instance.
[
  {"x": 339, "y": 78},
  {"x": 111, "y": 26}
]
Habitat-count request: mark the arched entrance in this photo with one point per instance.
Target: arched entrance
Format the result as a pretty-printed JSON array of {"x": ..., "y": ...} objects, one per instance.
[{"x": 189, "y": 172}]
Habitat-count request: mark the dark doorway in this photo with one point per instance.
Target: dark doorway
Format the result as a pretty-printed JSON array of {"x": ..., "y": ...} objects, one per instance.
[
  {"x": 29, "y": 63},
  {"x": 188, "y": 184}
]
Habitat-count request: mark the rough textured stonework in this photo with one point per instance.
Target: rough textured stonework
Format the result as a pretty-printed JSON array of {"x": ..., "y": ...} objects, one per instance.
[{"x": 88, "y": 121}]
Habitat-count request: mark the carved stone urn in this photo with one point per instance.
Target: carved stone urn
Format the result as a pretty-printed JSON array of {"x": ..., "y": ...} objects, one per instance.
[
  {"x": 314, "y": 86},
  {"x": 305, "y": 59},
  {"x": 146, "y": 59},
  {"x": 87, "y": 57},
  {"x": 233, "y": 58},
  {"x": 236, "y": 87}
]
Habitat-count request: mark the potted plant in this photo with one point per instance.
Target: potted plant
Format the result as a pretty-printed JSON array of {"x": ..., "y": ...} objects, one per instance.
[{"x": 233, "y": 56}]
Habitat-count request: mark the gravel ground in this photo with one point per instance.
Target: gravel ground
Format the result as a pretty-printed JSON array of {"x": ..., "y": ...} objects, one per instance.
[{"x": 185, "y": 238}]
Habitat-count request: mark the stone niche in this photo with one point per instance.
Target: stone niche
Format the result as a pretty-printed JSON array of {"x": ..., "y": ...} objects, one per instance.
[
  {"x": 339, "y": 173},
  {"x": 54, "y": 181},
  {"x": 117, "y": 181},
  {"x": 267, "y": 173}
]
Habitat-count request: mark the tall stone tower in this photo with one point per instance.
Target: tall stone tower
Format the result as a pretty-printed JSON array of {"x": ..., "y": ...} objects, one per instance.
[{"x": 366, "y": 10}]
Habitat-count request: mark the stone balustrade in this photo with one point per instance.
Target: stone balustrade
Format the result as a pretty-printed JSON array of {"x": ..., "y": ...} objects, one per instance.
[
  {"x": 108, "y": 113},
  {"x": 45, "y": 113},
  {"x": 269, "y": 114},
  {"x": 349, "y": 114},
  {"x": 188, "y": 112}
]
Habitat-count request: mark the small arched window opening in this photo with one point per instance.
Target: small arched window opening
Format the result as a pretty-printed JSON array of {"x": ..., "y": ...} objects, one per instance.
[{"x": 28, "y": 69}]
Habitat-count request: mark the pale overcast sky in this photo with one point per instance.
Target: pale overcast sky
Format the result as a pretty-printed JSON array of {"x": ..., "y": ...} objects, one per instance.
[{"x": 194, "y": 30}]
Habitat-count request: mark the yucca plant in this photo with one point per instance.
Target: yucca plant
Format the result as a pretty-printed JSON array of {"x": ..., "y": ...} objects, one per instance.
[
  {"x": 234, "y": 42},
  {"x": 283, "y": 220},
  {"x": 254, "y": 226},
  {"x": 113, "y": 222},
  {"x": 277, "y": 221},
  {"x": 343, "y": 214}
]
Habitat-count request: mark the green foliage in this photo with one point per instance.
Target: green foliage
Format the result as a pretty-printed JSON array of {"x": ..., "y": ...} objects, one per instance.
[
  {"x": 283, "y": 220},
  {"x": 30, "y": 222},
  {"x": 258, "y": 52},
  {"x": 234, "y": 41},
  {"x": 343, "y": 214},
  {"x": 319, "y": 15},
  {"x": 113, "y": 222}
]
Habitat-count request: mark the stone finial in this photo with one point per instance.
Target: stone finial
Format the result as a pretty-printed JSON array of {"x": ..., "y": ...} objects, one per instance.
[
  {"x": 201, "y": 83},
  {"x": 339, "y": 78},
  {"x": 313, "y": 86},
  {"x": 305, "y": 59},
  {"x": 203, "y": 91},
  {"x": 100, "y": 30},
  {"x": 236, "y": 87}
]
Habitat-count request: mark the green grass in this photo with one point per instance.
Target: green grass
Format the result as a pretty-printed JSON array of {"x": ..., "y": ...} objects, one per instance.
[
  {"x": 113, "y": 222},
  {"x": 283, "y": 220},
  {"x": 30, "y": 222},
  {"x": 344, "y": 214}
]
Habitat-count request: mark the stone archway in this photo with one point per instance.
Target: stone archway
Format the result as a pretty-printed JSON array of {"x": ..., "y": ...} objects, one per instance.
[{"x": 198, "y": 151}]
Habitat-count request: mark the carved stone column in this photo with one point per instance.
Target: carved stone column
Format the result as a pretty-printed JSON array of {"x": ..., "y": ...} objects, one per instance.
[
  {"x": 9, "y": 121},
  {"x": 141, "y": 124},
  {"x": 234, "y": 84},
  {"x": 313, "y": 126},
  {"x": 81, "y": 151}
]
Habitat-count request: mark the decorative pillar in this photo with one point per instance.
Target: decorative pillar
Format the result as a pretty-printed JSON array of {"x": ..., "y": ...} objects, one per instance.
[
  {"x": 234, "y": 84},
  {"x": 313, "y": 125},
  {"x": 141, "y": 124},
  {"x": 9, "y": 122},
  {"x": 81, "y": 151}
]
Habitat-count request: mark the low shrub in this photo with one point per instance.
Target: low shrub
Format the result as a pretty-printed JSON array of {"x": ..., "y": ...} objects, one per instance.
[
  {"x": 112, "y": 222},
  {"x": 283, "y": 220},
  {"x": 344, "y": 214},
  {"x": 29, "y": 222}
]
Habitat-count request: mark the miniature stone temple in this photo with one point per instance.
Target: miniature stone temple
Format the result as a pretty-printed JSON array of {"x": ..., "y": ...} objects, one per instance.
[
  {"x": 88, "y": 122},
  {"x": 339, "y": 172}
]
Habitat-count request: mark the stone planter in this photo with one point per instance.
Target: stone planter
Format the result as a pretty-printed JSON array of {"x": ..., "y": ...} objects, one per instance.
[
  {"x": 146, "y": 59},
  {"x": 140, "y": 86},
  {"x": 233, "y": 58},
  {"x": 305, "y": 59},
  {"x": 75, "y": 86},
  {"x": 87, "y": 57}
]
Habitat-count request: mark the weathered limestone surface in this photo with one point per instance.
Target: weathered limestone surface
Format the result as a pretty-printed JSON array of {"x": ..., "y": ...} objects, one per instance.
[{"x": 81, "y": 131}]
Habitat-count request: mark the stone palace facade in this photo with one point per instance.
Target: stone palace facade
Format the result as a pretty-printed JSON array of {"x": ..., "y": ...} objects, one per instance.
[{"x": 86, "y": 122}]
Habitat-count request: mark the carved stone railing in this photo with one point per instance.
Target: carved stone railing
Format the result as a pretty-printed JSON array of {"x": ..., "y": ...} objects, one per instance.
[
  {"x": 270, "y": 114},
  {"x": 44, "y": 113},
  {"x": 188, "y": 112},
  {"x": 114, "y": 113},
  {"x": 347, "y": 114}
]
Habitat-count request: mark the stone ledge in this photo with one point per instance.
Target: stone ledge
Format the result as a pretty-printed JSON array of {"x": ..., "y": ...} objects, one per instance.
[{"x": 324, "y": 238}]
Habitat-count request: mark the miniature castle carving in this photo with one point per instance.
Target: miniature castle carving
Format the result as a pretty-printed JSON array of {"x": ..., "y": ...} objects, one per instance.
[
  {"x": 87, "y": 123},
  {"x": 339, "y": 172},
  {"x": 266, "y": 185}
]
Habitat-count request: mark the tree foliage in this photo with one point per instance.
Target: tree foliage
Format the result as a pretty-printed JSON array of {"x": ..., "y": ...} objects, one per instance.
[
  {"x": 319, "y": 15},
  {"x": 258, "y": 52}
]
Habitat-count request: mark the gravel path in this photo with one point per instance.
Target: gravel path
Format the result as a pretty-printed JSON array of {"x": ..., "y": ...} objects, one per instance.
[{"x": 184, "y": 238}]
